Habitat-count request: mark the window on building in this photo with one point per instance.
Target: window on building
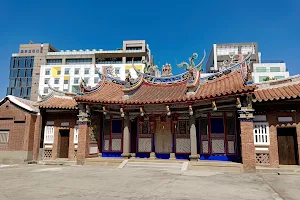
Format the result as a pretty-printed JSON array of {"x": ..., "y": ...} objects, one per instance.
[
  {"x": 261, "y": 78},
  {"x": 76, "y": 80},
  {"x": 109, "y": 60},
  {"x": 22, "y": 51},
  {"x": 86, "y": 71},
  {"x": 58, "y": 72},
  {"x": 54, "y": 61},
  {"x": 79, "y": 61},
  {"x": 29, "y": 51},
  {"x": 33, "y": 51},
  {"x": 135, "y": 59},
  {"x": 18, "y": 82},
  {"x": 117, "y": 70},
  {"x": 25, "y": 51},
  {"x": 279, "y": 77},
  {"x": 24, "y": 82},
  {"x": 13, "y": 73},
  {"x": 29, "y": 82},
  {"x": 47, "y": 72},
  {"x": 46, "y": 90},
  {"x": 86, "y": 79},
  {"x": 75, "y": 88},
  {"x": 12, "y": 82},
  {"x": 96, "y": 80},
  {"x": 46, "y": 81},
  {"x": 28, "y": 73},
  {"x": 28, "y": 91},
  {"x": 37, "y": 51},
  {"x": 67, "y": 71},
  {"x": 21, "y": 73},
  {"x": 56, "y": 81},
  {"x": 4, "y": 135},
  {"x": 133, "y": 48},
  {"x": 65, "y": 90},
  {"x": 76, "y": 71},
  {"x": 57, "y": 88},
  {"x": 66, "y": 81},
  {"x": 261, "y": 69},
  {"x": 274, "y": 69}
]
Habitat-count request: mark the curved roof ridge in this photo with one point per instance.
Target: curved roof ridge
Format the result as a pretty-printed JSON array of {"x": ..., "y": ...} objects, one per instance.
[{"x": 23, "y": 103}]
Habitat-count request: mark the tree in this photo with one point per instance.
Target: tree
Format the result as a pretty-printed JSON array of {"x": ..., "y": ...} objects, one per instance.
[{"x": 269, "y": 79}]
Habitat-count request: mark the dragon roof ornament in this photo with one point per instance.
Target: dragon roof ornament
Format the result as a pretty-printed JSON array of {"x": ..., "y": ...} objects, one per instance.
[{"x": 191, "y": 66}]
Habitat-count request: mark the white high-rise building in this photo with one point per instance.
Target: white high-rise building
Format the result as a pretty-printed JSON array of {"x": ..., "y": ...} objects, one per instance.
[{"x": 65, "y": 69}]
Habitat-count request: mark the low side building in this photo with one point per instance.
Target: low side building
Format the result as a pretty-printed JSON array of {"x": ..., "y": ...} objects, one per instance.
[{"x": 19, "y": 120}]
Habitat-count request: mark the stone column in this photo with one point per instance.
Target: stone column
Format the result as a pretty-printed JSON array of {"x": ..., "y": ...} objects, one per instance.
[
  {"x": 247, "y": 139},
  {"x": 126, "y": 138},
  {"x": 83, "y": 141},
  {"x": 83, "y": 133},
  {"x": 193, "y": 138}
]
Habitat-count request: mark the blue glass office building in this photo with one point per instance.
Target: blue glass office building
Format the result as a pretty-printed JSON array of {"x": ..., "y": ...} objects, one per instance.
[{"x": 20, "y": 77}]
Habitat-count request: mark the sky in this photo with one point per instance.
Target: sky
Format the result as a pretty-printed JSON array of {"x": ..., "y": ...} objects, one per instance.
[{"x": 174, "y": 30}]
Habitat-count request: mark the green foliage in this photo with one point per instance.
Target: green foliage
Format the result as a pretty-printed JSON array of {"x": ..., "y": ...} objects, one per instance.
[{"x": 269, "y": 79}]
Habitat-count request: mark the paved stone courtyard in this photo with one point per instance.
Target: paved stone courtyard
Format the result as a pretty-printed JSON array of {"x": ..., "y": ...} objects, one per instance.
[{"x": 93, "y": 182}]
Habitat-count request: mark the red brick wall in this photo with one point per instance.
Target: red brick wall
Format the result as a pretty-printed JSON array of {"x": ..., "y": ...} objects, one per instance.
[
  {"x": 20, "y": 134},
  {"x": 248, "y": 148},
  {"x": 58, "y": 118},
  {"x": 83, "y": 142},
  {"x": 273, "y": 123}
]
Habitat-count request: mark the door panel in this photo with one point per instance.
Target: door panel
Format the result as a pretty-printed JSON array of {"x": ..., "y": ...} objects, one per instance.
[
  {"x": 64, "y": 144},
  {"x": 287, "y": 149}
]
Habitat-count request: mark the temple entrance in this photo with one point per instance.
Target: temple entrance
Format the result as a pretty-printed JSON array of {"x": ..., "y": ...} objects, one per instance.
[
  {"x": 287, "y": 146},
  {"x": 163, "y": 138},
  {"x": 218, "y": 136},
  {"x": 112, "y": 137},
  {"x": 64, "y": 143}
]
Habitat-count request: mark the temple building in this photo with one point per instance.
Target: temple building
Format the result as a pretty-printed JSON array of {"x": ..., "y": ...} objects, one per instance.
[{"x": 224, "y": 116}]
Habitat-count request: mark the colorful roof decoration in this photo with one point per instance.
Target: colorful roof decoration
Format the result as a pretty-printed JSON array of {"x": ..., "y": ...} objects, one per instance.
[
  {"x": 187, "y": 86},
  {"x": 287, "y": 88}
]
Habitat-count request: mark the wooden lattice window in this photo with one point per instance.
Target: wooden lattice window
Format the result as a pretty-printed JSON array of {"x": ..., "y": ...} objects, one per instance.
[
  {"x": 76, "y": 131},
  {"x": 183, "y": 127},
  {"x": 4, "y": 135},
  {"x": 261, "y": 133},
  {"x": 49, "y": 135}
]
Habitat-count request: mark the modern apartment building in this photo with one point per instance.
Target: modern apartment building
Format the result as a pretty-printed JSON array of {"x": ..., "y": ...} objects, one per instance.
[
  {"x": 274, "y": 70},
  {"x": 25, "y": 70},
  {"x": 222, "y": 52},
  {"x": 64, "y": 69}
]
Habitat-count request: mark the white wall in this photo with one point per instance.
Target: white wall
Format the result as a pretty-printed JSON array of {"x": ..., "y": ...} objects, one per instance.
[{"x": 81, "y": 74}]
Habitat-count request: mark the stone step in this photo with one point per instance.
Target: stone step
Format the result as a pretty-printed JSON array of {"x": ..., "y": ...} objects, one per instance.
[
  {"x": 57, "y": 162},
  {"x": 110, "y": 162},
  {"x": 154, "y": 165},
  {"x": 284, "y": 170},
  {"x": 215, "y": 166}
]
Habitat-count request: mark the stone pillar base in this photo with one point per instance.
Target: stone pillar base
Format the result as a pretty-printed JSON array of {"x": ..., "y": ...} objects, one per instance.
[
  {"x": 126, "y": 155},
  {"x": 80, "y": 162},
  {"x": 133, "y": 155},
  {"x": 172, "y": 156},
  {"x": 152, "y": 155},
  {"x": 194, "y": 157}
]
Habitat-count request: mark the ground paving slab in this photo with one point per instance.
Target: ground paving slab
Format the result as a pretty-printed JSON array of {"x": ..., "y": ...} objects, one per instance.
[{"x": 95, "y": 182}]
